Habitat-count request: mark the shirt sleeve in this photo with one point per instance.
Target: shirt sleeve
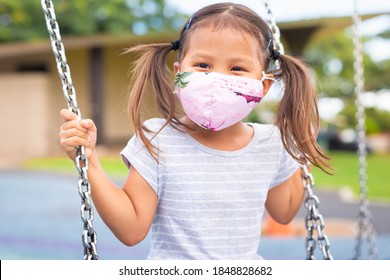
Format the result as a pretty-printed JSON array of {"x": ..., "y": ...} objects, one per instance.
[
  {"x": 135, "y": 154},
  {"x": 287, "y": 167}
]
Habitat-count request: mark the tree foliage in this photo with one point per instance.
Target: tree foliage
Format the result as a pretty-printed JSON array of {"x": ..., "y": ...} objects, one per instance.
[
  {"x": 332, "y": 59},
  {"x": 24, "y": 20},
  {"x": 376, "y": 120}
]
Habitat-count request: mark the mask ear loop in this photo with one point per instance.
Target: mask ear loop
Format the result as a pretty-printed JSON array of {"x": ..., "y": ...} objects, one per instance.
[{"x": 265, "y": 77}]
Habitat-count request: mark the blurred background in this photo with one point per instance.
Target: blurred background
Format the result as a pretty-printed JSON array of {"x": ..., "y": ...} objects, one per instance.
[{"x": 39, "y": 204}]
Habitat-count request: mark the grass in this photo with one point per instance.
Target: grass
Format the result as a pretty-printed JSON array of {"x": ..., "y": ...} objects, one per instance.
[
  {"x": 113, "y": 166},
  {"x": 345, "y": 175}
]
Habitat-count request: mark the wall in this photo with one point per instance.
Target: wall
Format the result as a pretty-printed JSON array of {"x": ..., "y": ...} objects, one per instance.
[
  {"x": 31, "y": 96},
  {"x": 23, "y": 116}
]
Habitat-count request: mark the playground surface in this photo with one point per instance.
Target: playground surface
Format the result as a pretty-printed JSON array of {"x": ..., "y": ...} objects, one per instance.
[{"x": 40, "y": 219}]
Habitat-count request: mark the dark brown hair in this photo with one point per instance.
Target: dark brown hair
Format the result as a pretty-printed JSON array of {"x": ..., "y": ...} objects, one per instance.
[{"x": 297, "y": 115}]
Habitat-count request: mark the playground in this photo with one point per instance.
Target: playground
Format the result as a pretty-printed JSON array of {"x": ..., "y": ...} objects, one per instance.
[
  {"x": 40, "y": 210},
  {"x": 43, "y": 224}
]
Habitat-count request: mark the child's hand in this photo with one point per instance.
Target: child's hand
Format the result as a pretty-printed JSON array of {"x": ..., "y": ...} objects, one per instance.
[{"x": 76, "y": 132}]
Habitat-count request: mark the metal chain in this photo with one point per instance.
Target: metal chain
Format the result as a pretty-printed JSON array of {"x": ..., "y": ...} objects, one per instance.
[
  {"x": 314, "y": 220},
  {"x": 89, "y": 237},
  {"x": 365, "y": 225},
  {"x": 270, "y": 19}
]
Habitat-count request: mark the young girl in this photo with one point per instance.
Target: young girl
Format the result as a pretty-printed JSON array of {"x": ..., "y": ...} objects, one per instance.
[{"x": 202, "y": 181}]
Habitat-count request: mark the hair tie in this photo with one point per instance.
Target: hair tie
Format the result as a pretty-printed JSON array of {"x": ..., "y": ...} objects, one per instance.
[
  {"x": 275, "y": 54},
  {"x": 175, "y": 45}
]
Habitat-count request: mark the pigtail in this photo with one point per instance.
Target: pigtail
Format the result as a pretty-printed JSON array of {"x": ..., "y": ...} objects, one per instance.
[
  {"x": 297, "y": 116},
  {"x": 150, "y": 73}
]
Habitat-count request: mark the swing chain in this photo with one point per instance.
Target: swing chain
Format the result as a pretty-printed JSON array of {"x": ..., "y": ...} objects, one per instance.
[
  {"x": 270, "y": 19},
  {"x": 364, "y": 219},
  {"x": 89, "y": 237},
  {"x": 314, "y": 221}
]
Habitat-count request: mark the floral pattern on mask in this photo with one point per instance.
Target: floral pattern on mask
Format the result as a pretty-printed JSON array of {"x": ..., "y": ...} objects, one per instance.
[{"x": 216, "y": 101}]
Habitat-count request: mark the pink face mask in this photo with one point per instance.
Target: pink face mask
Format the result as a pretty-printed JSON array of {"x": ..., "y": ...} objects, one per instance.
[{"x": 216, "y": 101}]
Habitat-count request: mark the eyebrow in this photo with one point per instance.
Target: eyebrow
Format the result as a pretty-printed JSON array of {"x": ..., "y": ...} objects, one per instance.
[
  {"x": 200, "y": 55},
  {"x": 236, "y": 59}
]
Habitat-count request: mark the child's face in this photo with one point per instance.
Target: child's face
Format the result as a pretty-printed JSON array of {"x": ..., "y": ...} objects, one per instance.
[{"x": 226, "y": 51}]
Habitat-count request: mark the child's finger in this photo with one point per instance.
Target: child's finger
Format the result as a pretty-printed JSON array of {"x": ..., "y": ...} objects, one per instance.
[
  {"x": 88, "y": 124},
  {"x": 68, "y": 115},
  {"x": 69, "y": 144},
  {"x": 73, "y": 124},
  {"x": 74, "y": 132}
]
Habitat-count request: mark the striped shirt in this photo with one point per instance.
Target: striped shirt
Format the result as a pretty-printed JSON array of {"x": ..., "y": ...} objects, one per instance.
[{"x": 210, "y": 202}]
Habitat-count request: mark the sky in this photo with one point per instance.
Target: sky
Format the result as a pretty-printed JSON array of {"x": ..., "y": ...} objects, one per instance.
[{"x": 286, "y": 10}]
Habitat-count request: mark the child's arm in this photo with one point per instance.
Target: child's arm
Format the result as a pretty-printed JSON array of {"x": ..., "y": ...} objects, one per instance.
[
  {"x": 284, "y": 200},
  {"x": 129, "y": 211}
]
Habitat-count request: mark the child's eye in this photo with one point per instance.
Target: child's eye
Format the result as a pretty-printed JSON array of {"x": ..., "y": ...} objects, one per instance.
[
  {"x": 203, "y": 65},
  {"x": 237, "y": 68}
]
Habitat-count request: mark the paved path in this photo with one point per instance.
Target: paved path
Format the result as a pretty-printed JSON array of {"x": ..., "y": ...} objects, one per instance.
[
  {"x": 39, "y": 219},
  {"x": 339, "y": 205}
]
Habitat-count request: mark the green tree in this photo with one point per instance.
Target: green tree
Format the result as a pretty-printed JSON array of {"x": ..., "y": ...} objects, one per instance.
[
  {"x": 23, "y": 20},
  {"x": 332, "y": 59},
  {"x": 376, "y": 120}
]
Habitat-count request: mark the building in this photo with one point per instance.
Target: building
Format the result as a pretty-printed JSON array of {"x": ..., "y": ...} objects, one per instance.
[{"x": 31, "y": 91}]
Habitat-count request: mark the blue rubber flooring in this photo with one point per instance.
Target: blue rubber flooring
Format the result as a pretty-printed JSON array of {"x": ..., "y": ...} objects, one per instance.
[{"x": 40, "y": 220}]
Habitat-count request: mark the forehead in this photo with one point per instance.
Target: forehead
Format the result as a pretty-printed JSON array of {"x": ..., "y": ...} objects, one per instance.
[{"x": 223, "y": 41}]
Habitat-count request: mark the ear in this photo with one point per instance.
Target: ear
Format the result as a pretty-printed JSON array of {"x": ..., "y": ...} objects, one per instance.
[
  {"x": 176, "y": 68},
  {"x": 267, "y": 83}
]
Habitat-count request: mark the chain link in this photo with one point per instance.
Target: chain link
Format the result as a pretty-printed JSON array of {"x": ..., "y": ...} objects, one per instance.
[
  {"x": 365, "y": 225},
  {"x": 270, "y": 19},
  {"x": 89, "y": 237},
  {"x": 314, "y": 221}
]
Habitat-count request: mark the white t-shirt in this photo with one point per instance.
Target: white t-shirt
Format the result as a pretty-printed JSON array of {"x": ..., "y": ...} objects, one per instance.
[{"x": 210, "y": 202}]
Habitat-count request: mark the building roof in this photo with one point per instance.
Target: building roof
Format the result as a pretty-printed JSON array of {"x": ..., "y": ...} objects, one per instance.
[
  {"x": 300, "y": 31},
  {"x": 14, "y": 49}
]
